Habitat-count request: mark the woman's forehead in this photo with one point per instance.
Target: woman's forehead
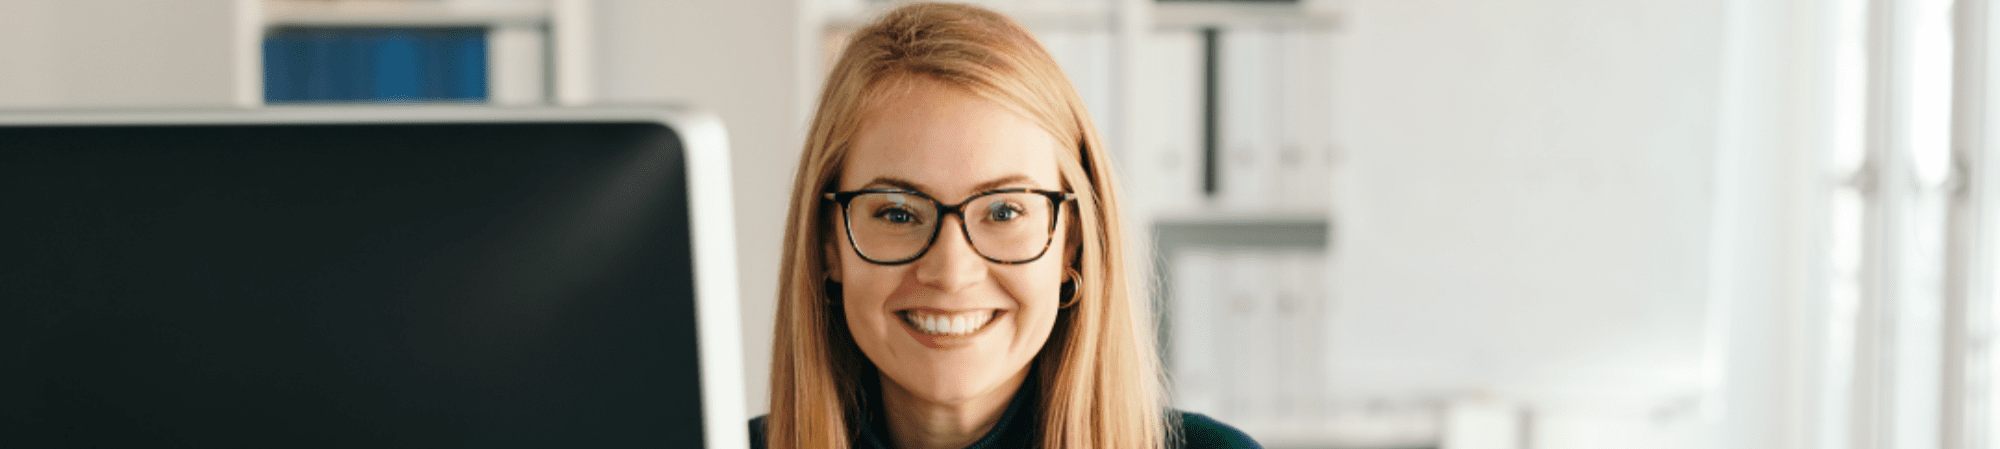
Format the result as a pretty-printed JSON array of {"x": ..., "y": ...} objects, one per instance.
[{"x": 948, "y": 142}]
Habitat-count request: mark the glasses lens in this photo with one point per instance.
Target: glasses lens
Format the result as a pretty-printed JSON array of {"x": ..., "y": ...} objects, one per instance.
[
  {"x": 1010, "y": 227},
  {"x": 891, "y": 226}
]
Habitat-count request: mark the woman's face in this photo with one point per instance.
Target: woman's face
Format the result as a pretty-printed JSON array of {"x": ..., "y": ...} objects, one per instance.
[{"x": 950, "y": 145}]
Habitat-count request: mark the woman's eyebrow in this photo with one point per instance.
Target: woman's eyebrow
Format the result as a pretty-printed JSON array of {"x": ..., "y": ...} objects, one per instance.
[
  {"x": 896, "y": 183},
  {"x": 899, "y": 183},
  {"x": 1003, "y": 181}
]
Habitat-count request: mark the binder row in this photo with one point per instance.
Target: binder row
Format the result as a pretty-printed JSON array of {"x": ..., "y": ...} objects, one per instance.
[
  {"x": 1088, "y": 57},
  {"x": 1247, "y": 342},
  {"x": 1274, "y": 106},
  {"x": 375, "y": 64}
]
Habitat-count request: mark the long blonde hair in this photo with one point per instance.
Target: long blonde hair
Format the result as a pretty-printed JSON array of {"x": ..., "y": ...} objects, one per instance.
[{"x": 1099, "y": 375}]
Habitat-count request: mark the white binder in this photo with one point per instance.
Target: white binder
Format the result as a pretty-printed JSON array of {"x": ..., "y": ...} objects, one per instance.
[
  {"x": 1170, "y": 152},
  {"x": 1248, "y": 81}
]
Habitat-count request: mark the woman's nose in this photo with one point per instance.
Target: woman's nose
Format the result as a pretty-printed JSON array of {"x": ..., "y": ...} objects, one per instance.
[{"x": 951, "y": 264}]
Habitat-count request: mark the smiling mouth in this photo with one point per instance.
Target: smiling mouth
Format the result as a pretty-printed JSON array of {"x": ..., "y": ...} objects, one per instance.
[{"x": 948, "y": 324}]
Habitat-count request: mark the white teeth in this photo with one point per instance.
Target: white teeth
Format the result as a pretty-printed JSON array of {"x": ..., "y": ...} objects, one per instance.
[{"x": 958, "y": 324}]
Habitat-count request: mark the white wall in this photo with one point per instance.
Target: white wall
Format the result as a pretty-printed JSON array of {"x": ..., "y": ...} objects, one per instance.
[
  {"x": 743, "y": 59},
  {"x": 1601, "y": 210},
  {"x": 123, "y": 54},
  {"x": 1525, "y": 195}
]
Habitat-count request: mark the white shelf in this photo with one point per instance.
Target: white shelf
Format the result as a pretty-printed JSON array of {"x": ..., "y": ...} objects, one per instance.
[
  {"x": 1102, "y": 15},
  {"x": 1211, "y": 215},
  {"x": 405, "y": 13},
  {"x": 1169, "y": 16}
]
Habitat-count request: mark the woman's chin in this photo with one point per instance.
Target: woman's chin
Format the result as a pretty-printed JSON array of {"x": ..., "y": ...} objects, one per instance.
[{"x": 956, "y": 387}]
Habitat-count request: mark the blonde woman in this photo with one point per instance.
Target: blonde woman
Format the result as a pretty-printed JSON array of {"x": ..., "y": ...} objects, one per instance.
[{"x": 952, "y": 261}]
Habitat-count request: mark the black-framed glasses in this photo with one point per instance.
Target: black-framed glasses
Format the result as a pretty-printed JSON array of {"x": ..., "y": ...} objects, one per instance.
[{"x": 896, "y": 226}]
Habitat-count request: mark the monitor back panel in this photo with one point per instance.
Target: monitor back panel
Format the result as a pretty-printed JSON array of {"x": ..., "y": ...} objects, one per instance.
[{"x": 359, "y": 285}]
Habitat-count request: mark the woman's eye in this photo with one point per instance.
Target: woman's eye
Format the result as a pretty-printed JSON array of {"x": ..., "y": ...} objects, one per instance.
[
  {"x": 1003, "y": 212},
  {"x": 898, "y": 216}
]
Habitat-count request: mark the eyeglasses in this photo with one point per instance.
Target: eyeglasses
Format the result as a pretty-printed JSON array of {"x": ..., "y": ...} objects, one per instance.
[{"x": 895, "y": 226}]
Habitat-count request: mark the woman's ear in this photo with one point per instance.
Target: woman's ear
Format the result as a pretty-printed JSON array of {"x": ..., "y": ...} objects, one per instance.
[{"x": 1072, "y": 242}]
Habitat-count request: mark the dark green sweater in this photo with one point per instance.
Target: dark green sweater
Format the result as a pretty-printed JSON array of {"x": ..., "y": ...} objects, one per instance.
[{"x": 1019, "y": 428}]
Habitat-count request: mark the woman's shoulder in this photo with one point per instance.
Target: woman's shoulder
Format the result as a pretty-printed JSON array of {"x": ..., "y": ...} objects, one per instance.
[
  {"x": 757, "y": 432},
  {"x": 1199, "y": 431}
]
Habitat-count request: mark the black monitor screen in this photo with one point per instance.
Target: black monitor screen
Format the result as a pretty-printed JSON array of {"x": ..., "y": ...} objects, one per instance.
[{"x": 365, "y": 285}]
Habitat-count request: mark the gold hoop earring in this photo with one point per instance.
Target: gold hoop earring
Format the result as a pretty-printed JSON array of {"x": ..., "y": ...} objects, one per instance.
[{"x": 1069, "y": 287}]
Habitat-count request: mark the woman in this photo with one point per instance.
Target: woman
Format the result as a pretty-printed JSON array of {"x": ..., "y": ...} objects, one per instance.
[{"x": 952, "y": 263}]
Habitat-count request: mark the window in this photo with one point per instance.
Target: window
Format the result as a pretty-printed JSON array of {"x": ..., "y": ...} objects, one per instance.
[{"x": 1910, "y": 305}]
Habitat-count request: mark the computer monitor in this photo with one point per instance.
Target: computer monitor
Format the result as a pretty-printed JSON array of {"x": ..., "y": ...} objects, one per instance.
[{"x": 368, "y": 277}]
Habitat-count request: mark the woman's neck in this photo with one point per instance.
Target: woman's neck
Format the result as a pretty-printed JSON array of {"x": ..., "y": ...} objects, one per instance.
[{"x": 915, "y": 423}]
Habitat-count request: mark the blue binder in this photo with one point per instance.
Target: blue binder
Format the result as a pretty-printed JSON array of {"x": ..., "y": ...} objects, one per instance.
[{"x": 303, "y": 65}]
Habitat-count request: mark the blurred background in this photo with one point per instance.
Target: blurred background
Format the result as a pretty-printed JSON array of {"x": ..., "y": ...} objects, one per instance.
[{"x": 1460, "y": 224}]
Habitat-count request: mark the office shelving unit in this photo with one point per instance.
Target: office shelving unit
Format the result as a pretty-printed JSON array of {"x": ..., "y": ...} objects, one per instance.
[
  {"x": 1232, "y": 178},
  {"x": 536, "y": 49}
]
